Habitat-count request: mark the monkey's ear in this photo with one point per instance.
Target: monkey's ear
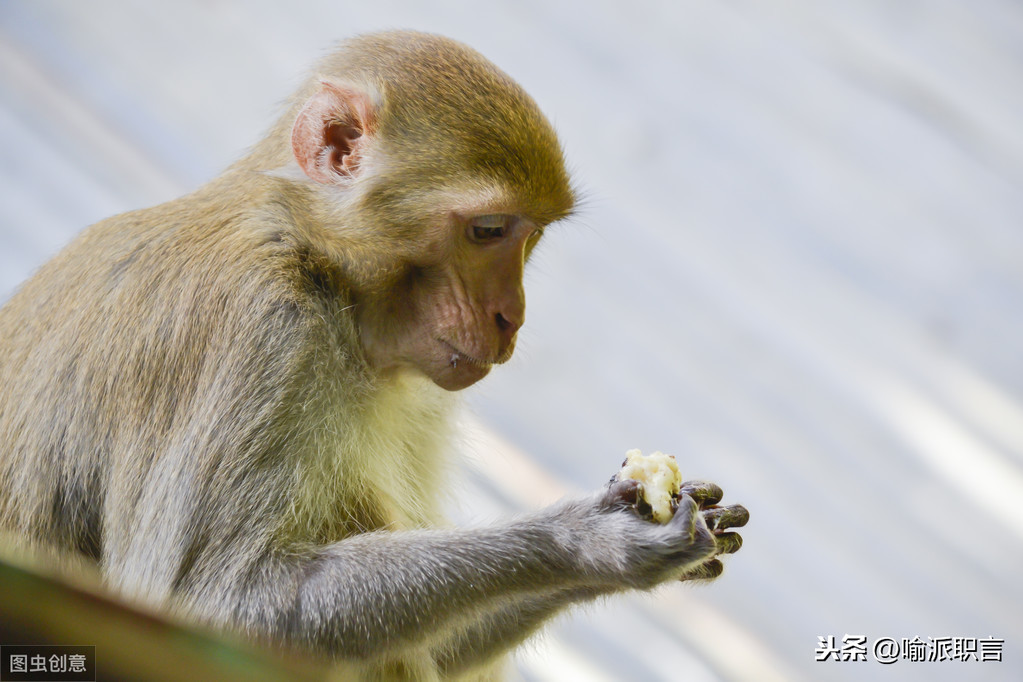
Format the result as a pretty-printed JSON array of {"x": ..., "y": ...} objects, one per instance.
[{"x": 329, "y": 135}]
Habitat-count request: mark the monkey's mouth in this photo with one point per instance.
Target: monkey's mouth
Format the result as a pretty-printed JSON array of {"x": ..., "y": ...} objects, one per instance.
[{"x": 458, "y": 357}]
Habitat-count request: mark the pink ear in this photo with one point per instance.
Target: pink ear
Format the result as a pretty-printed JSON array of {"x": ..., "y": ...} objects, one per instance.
[{"x": 329, "y": 135}]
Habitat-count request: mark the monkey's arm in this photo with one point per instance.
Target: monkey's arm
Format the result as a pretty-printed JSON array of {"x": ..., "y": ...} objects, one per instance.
[
  {"x": 379, "y": 595},
  {"x": 513, "y": 623}
]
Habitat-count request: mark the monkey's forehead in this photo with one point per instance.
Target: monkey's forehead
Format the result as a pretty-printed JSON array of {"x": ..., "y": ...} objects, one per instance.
[
  {"x": 409, "y": 196},
  {"x": 506, "y": 144},
  {"x": 502, "y": 167}
]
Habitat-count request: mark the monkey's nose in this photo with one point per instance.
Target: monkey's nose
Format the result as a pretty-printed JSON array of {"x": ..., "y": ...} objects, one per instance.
[{"x": 507, "y": 329}]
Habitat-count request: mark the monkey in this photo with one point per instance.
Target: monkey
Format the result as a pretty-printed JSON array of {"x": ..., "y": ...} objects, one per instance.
[{"x": 235, "y": 404}]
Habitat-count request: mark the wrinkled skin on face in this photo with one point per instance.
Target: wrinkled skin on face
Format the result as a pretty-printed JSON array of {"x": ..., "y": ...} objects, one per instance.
[{"x": 461, "y": 304}]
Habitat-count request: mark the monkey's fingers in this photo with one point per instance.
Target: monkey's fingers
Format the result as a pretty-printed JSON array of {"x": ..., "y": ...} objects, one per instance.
[
  {"x": 708, "y": 570},
  {"x": 720, "y": 518},
  {"x": 728, "y": 543},
  {"x": 705, "y": 494},
  {"x": 622, "y": 494}
]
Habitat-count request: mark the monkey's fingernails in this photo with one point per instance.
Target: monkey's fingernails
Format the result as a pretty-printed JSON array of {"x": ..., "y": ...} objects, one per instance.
[
  {"x": 720, "y": 518},
  {"x": 704, "y": 493},
  {"x": 728, "y": 543}
]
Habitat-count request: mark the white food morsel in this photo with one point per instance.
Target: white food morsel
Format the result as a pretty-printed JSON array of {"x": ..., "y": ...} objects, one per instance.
[{"x": 660, "y": 477}]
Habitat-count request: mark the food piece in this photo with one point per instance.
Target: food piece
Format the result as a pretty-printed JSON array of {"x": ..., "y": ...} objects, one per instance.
[{"x": 661, "y": 481}]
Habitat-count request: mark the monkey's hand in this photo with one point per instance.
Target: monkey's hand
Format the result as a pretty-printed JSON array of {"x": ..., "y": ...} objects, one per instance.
[
  {"x": 685, "y": 548},
  {"x": 615, "y": 548}
]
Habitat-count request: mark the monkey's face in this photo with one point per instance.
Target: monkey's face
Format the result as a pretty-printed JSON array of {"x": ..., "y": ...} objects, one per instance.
[
  {"x": 461, "y": 305},
  {"x": 440, "y": 185}
]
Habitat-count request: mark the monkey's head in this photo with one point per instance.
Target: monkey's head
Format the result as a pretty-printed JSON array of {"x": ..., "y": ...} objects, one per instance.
[{"x": 439, "y": 174}]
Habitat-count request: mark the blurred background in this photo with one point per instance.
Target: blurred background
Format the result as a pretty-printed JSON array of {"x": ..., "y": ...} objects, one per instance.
[{"x": 799, "y": 268}]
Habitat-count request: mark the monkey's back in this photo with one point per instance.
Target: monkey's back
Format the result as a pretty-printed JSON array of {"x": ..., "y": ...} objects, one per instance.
[{"x": 77, "y": 343}]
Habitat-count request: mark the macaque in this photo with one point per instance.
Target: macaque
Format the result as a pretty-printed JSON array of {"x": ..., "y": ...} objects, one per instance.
[{"x": 234, "y": 404}]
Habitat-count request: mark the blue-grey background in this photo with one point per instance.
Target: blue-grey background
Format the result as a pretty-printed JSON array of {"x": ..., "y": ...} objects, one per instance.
[{"x": 799, "y": 269}]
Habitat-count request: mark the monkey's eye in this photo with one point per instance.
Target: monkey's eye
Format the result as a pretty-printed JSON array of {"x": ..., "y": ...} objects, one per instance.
[
  {"x": 483, "y": 233},
  {"x": 488, "y": 228}
]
